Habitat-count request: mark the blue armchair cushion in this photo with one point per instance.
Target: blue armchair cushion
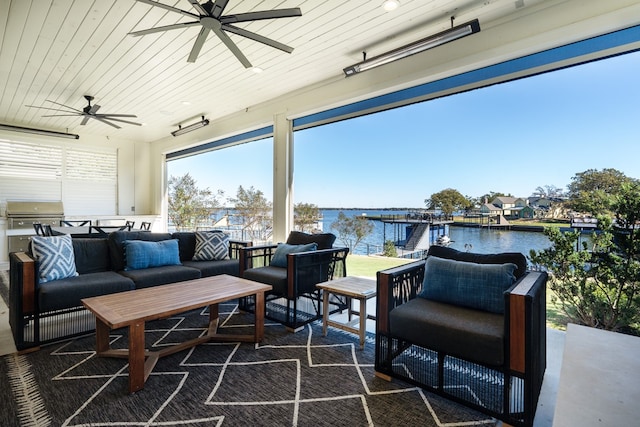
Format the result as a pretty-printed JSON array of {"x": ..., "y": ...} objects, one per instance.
[
  {"x": 467, "y": 284},
  {"x": 279, "y": 258},
  {"x": 144, "y": 254}
]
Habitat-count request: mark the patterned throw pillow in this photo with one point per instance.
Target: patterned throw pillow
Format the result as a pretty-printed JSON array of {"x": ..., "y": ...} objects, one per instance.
[
  {"x": 56, "y": 257},
  {"x": 211, "y": 246}
]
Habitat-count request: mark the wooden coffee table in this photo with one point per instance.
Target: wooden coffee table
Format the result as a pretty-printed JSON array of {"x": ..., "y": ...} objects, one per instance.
[{"x": 134, "y": 308}]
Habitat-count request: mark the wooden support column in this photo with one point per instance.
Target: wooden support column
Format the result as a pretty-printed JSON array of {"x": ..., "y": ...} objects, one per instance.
[{"x": 282, "y": 177}]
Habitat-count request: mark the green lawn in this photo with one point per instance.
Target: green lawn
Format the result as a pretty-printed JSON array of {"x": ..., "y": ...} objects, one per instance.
[{"x": 367, "y": 266}]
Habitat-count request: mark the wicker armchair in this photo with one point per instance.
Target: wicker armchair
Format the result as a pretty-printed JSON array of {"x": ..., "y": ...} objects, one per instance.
[
  {"x": 491, "y": 362},
  {"x": 295, "y": 301}
]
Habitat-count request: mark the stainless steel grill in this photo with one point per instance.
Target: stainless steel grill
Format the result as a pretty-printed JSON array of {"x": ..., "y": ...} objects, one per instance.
[{"x": 21, "y": 215}]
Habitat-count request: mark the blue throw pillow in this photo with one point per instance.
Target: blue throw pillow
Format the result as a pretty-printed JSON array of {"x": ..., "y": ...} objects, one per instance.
[
  {"x": 55, "y": 257},
  {"x": 279, "y": 258},
  {"x": 479, "y": 286},
  {"x": 144, "y": 254}
]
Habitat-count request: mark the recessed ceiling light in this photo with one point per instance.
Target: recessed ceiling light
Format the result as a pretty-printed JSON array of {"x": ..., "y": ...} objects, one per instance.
[
  {"x": 257, "y": 70},
  {"x": 186, "y": 103},
  {"x": 390, "y": 5}
]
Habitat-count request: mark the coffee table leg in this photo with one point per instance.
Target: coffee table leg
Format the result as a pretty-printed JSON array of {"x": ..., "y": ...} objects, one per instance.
[
  {"x": 136, "y": 357},
  {"x": 102, "y": 337},
  {"x": 214, "y": 319},
  {"x": 259, "y": 333}
]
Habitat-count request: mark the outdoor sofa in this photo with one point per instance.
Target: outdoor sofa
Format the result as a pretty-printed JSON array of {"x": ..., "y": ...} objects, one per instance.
[
  {"x": 470, "y": 327},
  {"x": 45, "y": 311}
]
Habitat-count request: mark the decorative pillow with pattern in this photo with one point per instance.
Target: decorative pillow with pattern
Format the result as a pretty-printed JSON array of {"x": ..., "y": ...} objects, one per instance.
[
  {"x": 55, "y": 256},
  {"x": 211, "y": 246}
]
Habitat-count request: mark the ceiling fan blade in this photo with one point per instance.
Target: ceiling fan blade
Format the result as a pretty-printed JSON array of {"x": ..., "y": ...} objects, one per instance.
[
  {"x": 198, "y": 7},
  {"x": 65, "y": 106},
  {"x": 105, "y": 122},
  {"x": 120, "y": 120},
  {"x": 218, "y": 8},
  {"x": 85, "y": 119},
  {"x": 197, "y": 45},
  {"x": 265, "y": 14},
  {"x": 232, "y": 47},
  {"x": 52, "y": 109},
  {"x": 93, "y": 109},
  {"x": 257, "y": 37},
  {"x": 169, "y": 8},
  {"x": 164, "y": 28},
  {"x": 107, "y": 116},
  {"x": 61, "y": 115}
]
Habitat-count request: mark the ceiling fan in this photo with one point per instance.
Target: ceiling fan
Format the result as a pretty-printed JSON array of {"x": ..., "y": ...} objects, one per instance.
[
  {"x": 88, "y": 112},
  {"x": 209, "y": 17}
]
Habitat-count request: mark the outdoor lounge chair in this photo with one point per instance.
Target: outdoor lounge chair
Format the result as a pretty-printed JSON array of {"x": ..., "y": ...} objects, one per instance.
[
  {"x": 295, "y": 300},
  {"x": 438, "y": 328}
]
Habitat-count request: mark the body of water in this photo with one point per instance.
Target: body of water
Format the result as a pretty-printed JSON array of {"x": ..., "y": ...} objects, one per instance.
[{"x": 463, "y": 238}]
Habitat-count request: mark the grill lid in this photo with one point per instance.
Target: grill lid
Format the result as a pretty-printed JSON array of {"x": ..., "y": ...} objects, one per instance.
[{"x": 22, "y": 208}]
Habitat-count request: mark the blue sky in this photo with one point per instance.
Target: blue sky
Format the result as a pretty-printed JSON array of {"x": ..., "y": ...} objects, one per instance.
[{"x": 509, "y": 138}]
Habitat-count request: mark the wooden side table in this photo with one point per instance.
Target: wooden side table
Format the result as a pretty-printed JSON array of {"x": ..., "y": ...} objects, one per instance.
[{"x": 359, "y": 288}]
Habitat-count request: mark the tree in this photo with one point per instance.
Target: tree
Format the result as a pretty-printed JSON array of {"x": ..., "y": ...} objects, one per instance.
[
  {"x": 549, "y": 192},
  {"x": 306, "y": 216},
  {"x": 491, "y": 195},
  {"x": 593, "y": 191},
  {"x": 188, "y": 204},
  {"x": 255, "y": 212},
  {"x": 351, "y": 230},
  {"x": 389, "y": 249},
  {"x": 448, "y": 201},
  {"x": 599, "y": 286}
]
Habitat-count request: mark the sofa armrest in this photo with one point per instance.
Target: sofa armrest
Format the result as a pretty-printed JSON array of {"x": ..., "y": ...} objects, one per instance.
[
  {"x": 525, "y": 315},
  {"x": 235, "y": 246},
  {"x": 23, "y": 304},
  {"x": 306, "y": 269},
  {"x": 22, "y": 278},
  {"x": 396, "y": 286}
]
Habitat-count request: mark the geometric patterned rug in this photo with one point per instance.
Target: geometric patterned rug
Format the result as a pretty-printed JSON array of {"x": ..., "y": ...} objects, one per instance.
[{"x": 301, "y": 379}]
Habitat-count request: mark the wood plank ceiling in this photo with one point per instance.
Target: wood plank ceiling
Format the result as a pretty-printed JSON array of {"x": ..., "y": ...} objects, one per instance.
[{"x": 61, "y": 50}]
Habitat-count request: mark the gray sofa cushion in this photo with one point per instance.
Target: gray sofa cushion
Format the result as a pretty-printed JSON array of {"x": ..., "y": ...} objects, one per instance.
[
  {"x": 274, "y": 276},
  {"x": 466, "y": 333},
  {"x": 186, "y": 244},
  {"x": 67, "y": 293},
  {"x": 213, "y": 268},
  {"x": 324, "y": 240},
  {"x": 92, "y": 255},
  {"x": 154, "y": 276}
]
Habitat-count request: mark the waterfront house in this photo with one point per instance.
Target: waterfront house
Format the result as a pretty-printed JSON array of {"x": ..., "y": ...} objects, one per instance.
[{"x": 56, "y": 52}]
